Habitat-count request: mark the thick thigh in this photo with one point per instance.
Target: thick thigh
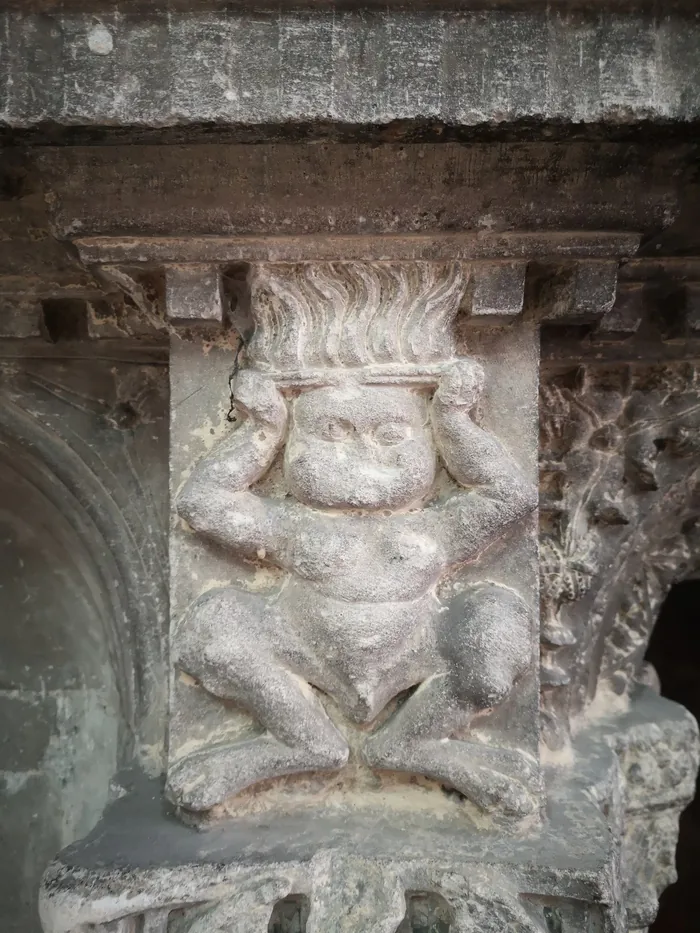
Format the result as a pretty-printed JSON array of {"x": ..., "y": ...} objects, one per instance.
[
  {"x": 226, "y": 622},
  {"x": 485, "y": 641},
  {"x": 236, "y": 628}
]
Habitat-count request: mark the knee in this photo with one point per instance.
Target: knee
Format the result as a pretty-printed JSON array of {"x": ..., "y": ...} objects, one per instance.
[
  {"x": 221, "y": 623},
  {"x": 484, "y": 688},
  {"x": 487, "y": 643},
  {"x": 492, "y": 599}
]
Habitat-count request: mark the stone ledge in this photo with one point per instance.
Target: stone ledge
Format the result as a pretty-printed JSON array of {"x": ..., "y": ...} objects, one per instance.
[
  {"x": 427, "y": 247},
  {"x": 138, "y": 861},
  {"x": 141, "y": 861},
  {"x": 347, "y": 66}
]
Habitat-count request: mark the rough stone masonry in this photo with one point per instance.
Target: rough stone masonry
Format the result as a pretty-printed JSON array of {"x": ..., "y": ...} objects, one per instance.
[{"x": 426, "y": 284}]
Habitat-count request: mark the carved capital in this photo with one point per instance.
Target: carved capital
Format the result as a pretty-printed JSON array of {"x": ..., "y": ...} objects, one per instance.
[{"x": 365, "y": 604}]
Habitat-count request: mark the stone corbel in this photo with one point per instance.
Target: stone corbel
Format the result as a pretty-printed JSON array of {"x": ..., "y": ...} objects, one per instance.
[
  {"x": 193, "y": 293},
  {"x": 576, "y": 291},
  {"x": 355, "y": 692}
]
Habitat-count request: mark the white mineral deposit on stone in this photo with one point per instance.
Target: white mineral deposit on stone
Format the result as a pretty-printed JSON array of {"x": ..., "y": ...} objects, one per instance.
[{"x": 100, "y": 40}]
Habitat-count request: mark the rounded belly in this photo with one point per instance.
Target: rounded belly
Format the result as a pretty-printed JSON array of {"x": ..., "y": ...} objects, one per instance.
[
  {"x": 367, "y": 565},
  {"x": 365, "y": 653},
  {"x": 357, "y": 637}
]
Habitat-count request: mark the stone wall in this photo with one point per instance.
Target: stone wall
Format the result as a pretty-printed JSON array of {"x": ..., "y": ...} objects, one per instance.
[
  {"x": 315, "y": 219},
  {"x": 354, "y": 66},
  {"x": 83, "y": 497}
]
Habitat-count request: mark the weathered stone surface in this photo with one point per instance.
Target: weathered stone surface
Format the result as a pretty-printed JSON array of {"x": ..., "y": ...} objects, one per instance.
[
  {"x": 642, "y": 186},
  {"x": 505, "y": 279},
  {"x": 351, "y": 543},
  {"x": 193, "y": 293},
  {"x": 625, "y": 317},
  {"x": 115, "y": 538},
  {"x": 20, "y": 318},
  {"x": 347, "y": 66},
  {"x": 30, "y": 840},
  {"x": 657, "y": 743},
  {"x": 81, "y": 534},
  {"x": 620, "y": 508},
  {"x": 499, "y": 290},
  {"x": 565, "y": 872},
  {"x": 256, "y": 490},
  {"x": 439, "y": 136},
  {"x": 578, "y": 293}
]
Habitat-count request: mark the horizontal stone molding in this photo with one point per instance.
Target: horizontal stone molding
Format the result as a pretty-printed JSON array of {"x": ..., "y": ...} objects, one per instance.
[
  {"x": 445, "y": 246},
  {"x": 346, "y": 66}
]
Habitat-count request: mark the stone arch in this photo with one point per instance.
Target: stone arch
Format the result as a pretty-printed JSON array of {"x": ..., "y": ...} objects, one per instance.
[
  {"x": 666, "y": 553},
  {"x": 77, "y": 679},
  {"x": 96, "y": 487},
  {"x": 674, "y": 653}
]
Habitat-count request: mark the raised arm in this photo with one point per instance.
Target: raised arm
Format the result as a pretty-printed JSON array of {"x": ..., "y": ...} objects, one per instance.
[
  {"x": 214, "y": 501},
  {"x": 498, "y": 493}
]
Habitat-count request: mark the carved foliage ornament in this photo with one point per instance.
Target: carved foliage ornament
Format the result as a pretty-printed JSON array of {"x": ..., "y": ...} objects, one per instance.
[
  {"x": 364, "y": 893},
  {"x": 620, "y": 508}
]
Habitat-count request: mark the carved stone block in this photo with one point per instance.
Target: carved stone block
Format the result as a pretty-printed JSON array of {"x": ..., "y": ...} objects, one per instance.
[
  {"x": 193, "y": 293},
  {"x": 579, "y": 291},
  {"x": 354, "y": 564},
  {"x": 19, "y": 317},
  {"x": 620, "y": 499},
  {"x": 355, "y": 703},
  {"x": 625, "y": 317},
  {"x": 499, "y": 289}
]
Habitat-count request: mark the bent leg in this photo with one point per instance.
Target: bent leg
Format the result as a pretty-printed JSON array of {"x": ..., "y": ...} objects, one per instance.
[
  {"x": 485, "y": 646},
  {"x": 227, "y": 650}
]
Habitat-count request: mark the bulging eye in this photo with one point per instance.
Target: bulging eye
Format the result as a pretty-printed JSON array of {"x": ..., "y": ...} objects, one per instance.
[
  {"x": 338, "y": 430},
  {"x": 391, "y": 433}
]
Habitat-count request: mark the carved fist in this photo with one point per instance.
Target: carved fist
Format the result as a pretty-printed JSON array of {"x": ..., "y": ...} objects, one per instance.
[
  {"x": 461, "y": 386},
  {"x": 257, "y": 396}
]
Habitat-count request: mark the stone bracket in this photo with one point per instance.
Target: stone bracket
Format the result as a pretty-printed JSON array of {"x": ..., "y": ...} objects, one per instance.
[
  {"x": 626, "y": 314},
  {"x": 193, "y": 292},
  {"x": 574, "y": 291},
  {"x": 499, "y": 289}
]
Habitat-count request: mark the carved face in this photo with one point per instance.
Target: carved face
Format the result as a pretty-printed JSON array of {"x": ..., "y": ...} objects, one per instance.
[{"x": 357, "y": 446}]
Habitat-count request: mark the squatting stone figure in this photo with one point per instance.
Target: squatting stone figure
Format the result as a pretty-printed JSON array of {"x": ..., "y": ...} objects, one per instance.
[{"x": 364, "y": 537}]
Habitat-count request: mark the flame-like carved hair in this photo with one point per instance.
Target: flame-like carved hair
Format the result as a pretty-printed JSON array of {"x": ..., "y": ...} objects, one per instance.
[{"x": 330, "y": 315}]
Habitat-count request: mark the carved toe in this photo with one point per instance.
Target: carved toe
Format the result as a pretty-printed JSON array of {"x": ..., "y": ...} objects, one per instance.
[
  {"x": 190, "y": 785},
  {"x": 503, "y": 794},
  {"x": 378, "y": 753}
]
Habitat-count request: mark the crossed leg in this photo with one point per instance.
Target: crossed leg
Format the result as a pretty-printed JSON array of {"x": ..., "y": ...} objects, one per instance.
[
  {"x": 228, "y": 647},
  {"x": 484, "y": 643}
]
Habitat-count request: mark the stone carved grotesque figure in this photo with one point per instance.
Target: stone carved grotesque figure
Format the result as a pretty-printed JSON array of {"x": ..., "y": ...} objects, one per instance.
[{"x": 355, "y": 379}]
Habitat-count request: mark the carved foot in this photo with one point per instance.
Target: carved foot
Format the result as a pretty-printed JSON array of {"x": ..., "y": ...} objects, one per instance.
[
  {"x": 207, "y": 778},
  {"x": 494, "y": 779}
]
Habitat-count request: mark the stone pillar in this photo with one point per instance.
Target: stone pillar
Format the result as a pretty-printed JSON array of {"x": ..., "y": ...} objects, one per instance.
[{"x": 355, "y": 626}]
